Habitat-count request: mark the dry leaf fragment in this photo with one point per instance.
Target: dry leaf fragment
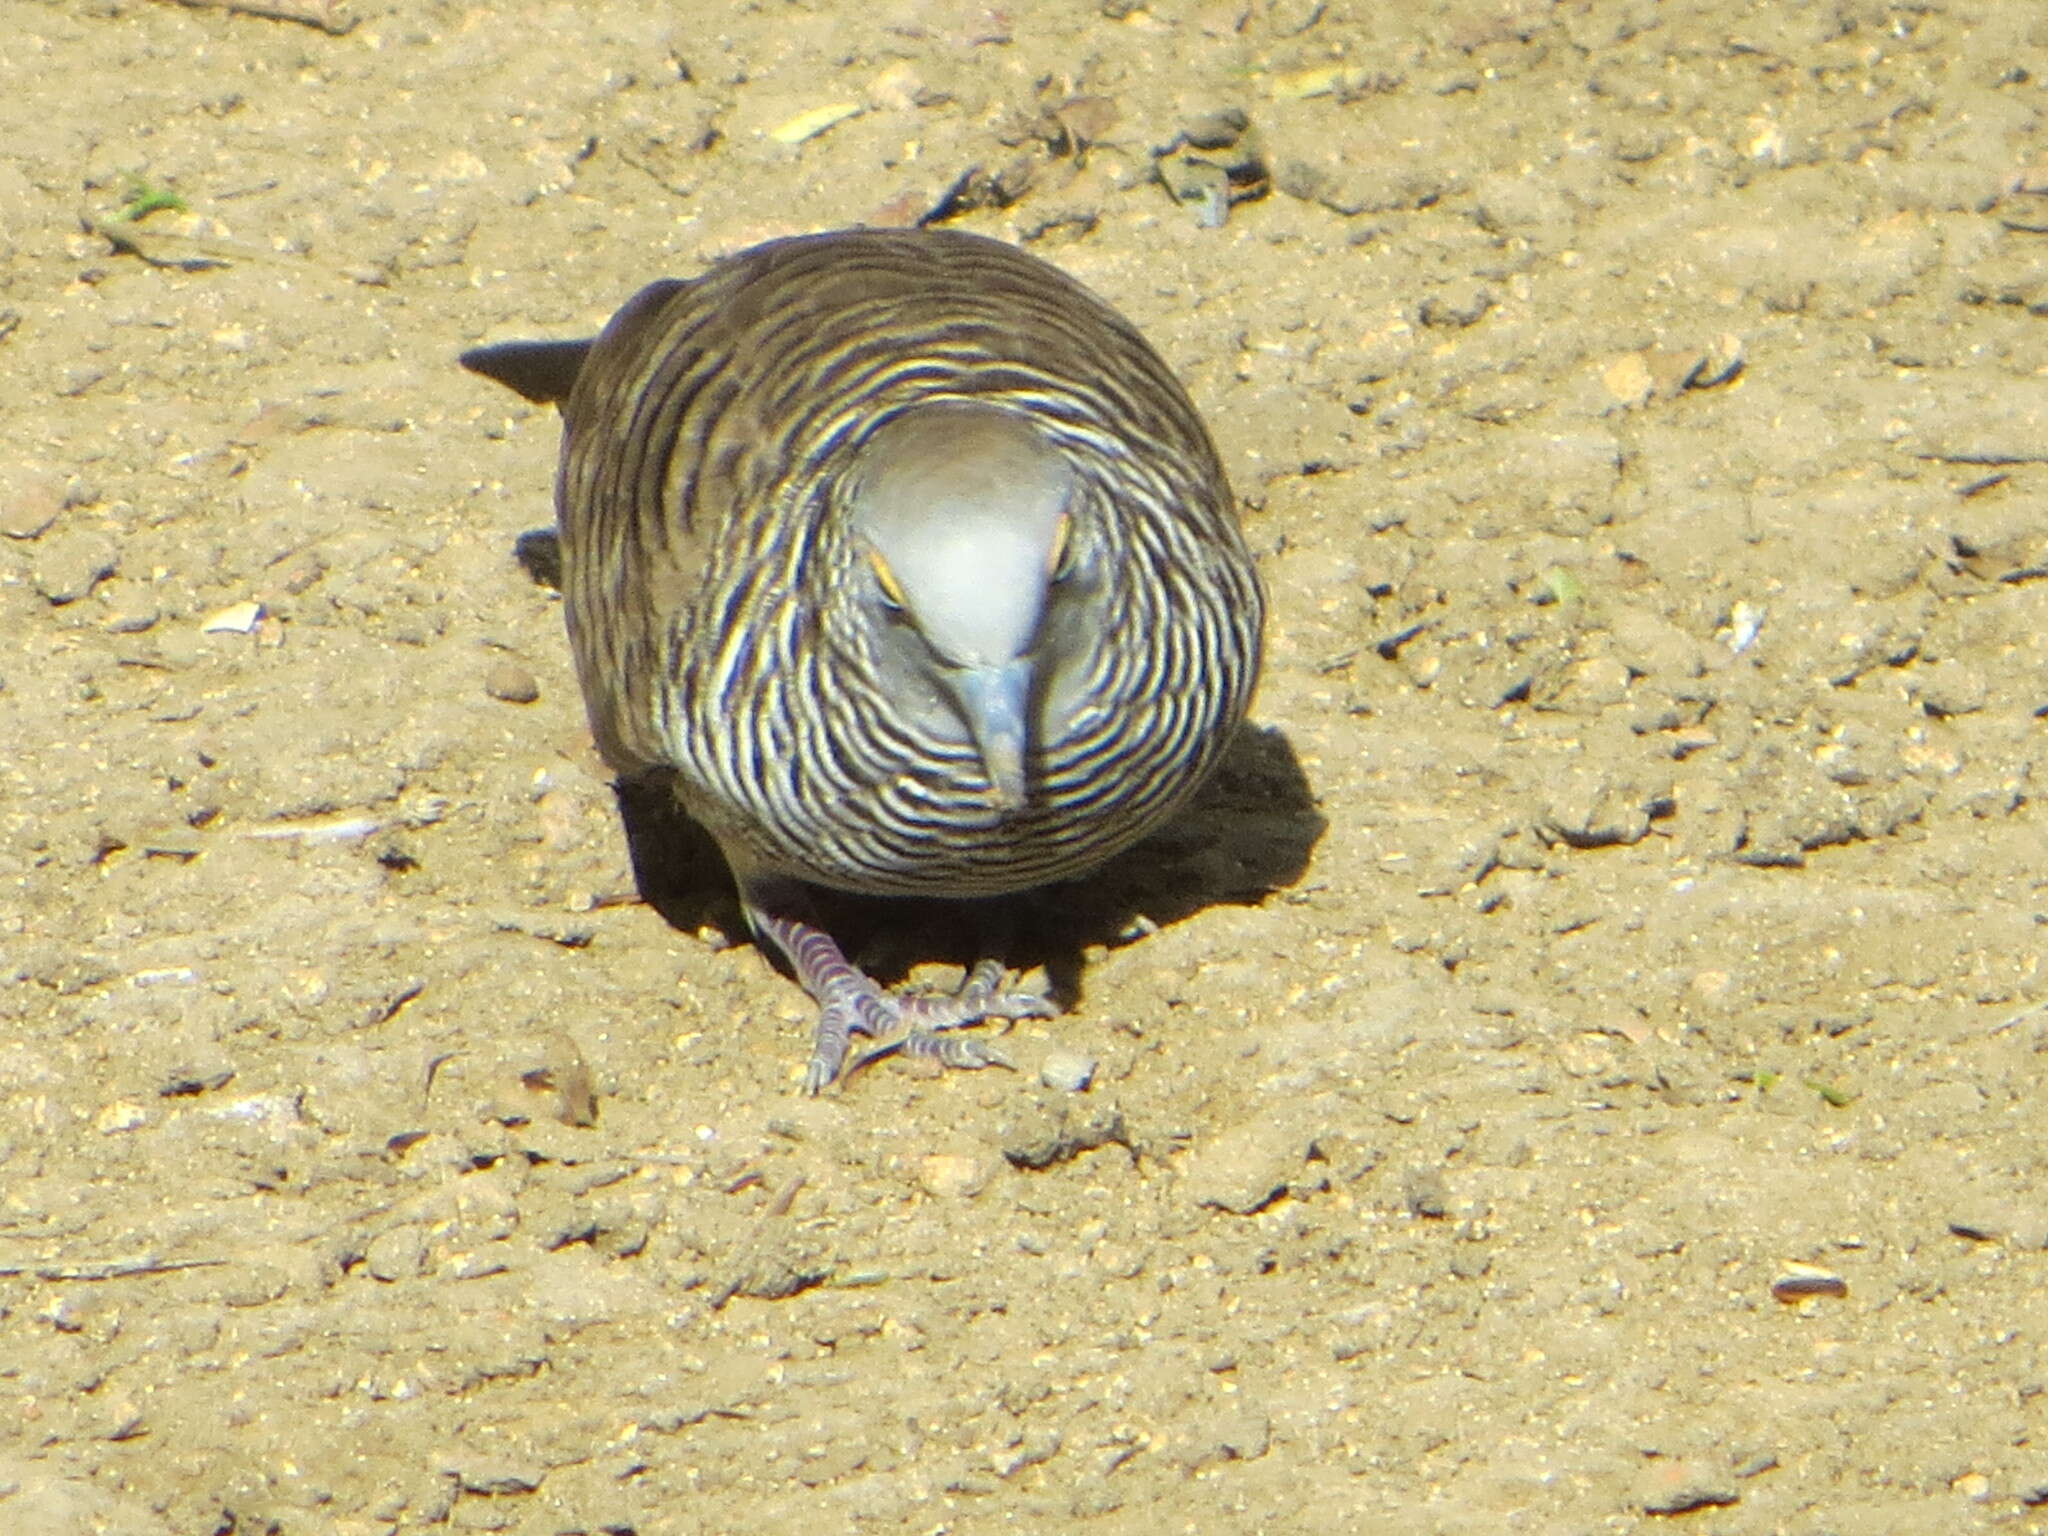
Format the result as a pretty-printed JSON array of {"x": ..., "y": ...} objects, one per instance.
[{"x": 808, "y": 125}]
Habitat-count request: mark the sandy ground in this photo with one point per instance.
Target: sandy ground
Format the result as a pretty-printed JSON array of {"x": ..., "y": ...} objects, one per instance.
[{"x": 1580, "y": 1070}]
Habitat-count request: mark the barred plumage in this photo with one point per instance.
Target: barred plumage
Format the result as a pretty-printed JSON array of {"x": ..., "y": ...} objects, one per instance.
[{"x": 912, "y": 562}]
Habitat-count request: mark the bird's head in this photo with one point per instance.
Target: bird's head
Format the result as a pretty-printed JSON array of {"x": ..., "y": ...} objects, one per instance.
[{"x": 963, "y": 514}]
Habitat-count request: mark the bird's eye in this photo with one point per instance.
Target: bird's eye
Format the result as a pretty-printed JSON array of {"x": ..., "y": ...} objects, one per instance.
[
  {"x": 1059, "y": 560},
  {"x": 892, "y": 590}
]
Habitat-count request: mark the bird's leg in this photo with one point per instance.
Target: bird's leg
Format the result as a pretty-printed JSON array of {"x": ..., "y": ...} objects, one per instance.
[{"x": 852, "y": 1003}]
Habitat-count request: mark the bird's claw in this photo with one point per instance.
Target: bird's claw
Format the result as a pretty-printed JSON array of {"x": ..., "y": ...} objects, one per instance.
[
  {"x": 964, "y": 1052},
  {"x": 917, "y": 1026}
]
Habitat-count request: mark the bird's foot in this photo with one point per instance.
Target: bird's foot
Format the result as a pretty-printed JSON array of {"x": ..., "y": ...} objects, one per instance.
[
  {"x": 919, "y": 1024},
  {"x": 850, "y": 1002}
]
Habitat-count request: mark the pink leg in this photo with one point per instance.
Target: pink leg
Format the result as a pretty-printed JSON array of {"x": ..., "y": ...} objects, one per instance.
[{"x": 851, "y": 1003}]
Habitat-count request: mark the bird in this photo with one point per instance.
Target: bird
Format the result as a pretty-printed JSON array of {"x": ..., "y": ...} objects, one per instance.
[{"x": 911, "y": 567}]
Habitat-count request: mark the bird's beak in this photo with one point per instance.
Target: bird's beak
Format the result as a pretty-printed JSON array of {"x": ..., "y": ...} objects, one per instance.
[{"x": 996, "y": 702}]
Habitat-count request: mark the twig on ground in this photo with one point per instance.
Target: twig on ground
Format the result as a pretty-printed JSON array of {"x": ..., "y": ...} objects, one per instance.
[
  {"x": 323, "y": 15},
  {"x": 110, "y": 1269}
]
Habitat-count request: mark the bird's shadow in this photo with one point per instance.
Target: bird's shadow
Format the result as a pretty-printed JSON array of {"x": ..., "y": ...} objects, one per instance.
[{"x": 1248, "y": 834}]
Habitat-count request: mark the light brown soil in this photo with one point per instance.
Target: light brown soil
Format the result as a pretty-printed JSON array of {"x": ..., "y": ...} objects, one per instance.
[{"x": 1633, "y": 892}]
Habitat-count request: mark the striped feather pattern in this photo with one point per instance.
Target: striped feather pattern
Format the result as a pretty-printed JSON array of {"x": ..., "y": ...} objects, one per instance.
[{"x": 710, "y": 578}]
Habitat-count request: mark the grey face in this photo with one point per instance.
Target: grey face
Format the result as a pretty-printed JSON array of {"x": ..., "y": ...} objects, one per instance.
[{"x": 963, "y": 514}]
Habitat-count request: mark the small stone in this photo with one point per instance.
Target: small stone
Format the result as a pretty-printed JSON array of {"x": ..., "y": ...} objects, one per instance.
[
  {"x": 1125, "y": 1261},
  {"x": 1673, "y": 369},
  {"x": 1362, "y": 1331},
  {"x": 131, "y": 608},
  {"x": 1723, "y": 361},
  {"x": 1588, "y": 809},
  {"x": 1242, "y": 1435},
  {"x": 397, "y": 1254},
  {"x": 1947, "y": 688},
  {"x": 1067, "y": 1071},
  {"x": 899, "y": 88},
  {"x": 1032, "y": 1451},
  {"x": 1628, "y": 380},
  {"x": 235, "y": 619},
  {"x": 1247, "y": 1167},
  {"x": 70, "y": 564},
  {"x": 1051, "y": 1132},
  {"x": 1799, "y": 1281},
  {"x": 76, "y": 380},
  {"x": 1597, "y": 683},
  {"x": 1323, "y": 80},
  {"x": 120, "y": 1420},
  {"x": 120, "y": 1116},
  {"x": 497, "y": 1475},
  {"x": 1982, "y": 1221},
  {"x": 255, "y": 1283},
  {"x": 1680, "y": 1485},
  {"x": 1087, "y": 119},
  {"x": 1424, "y": 1193},
  {"x": 296, "y": 572},
  {"x": 30, "y": 506},
  {"x": 1652, "y": 645},
  {"x": 1218, "y": 129},
  {"x": 189, "y": 1078},
  {"x": 954, "y": 1175},
  {"x": 1587, "y": 1055},
  {"x": 1456, "y": 307},
  {"x": 509, "y": 681},
  {"x": 1745, "y": 623}
]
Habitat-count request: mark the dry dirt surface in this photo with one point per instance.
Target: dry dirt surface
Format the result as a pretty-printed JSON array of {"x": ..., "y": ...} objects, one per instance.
[{"x": 1581, "y": 1068}]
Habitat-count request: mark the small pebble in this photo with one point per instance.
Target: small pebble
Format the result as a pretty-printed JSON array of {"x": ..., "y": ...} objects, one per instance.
[
  {"x": 75, "y": 381},
  {"x": 1425, "y": 1194},
  {"x": 497, "y": 1475},
  {"x": 120, "y": 1116},
  {"x": 235, "y": 619},
  {"x": 69, "y": 564},
  {"x": 511, "y": 682},
  {"x": 1745, "y": 623},
  {"x": 1802, "y": 1280},
  {"x": 399, "y": 1253},
  {"x": 1687, "y": 1497},
  {"x": 1246, "y": 1167},
  {"x": 29, "y": 506},
  {"x": 298, "y": 572},
  {"x": 953, "y": 1175},
  {"x": 131, "y": 611},
  {"x": 1068, "y": 1071},
  {"x": 898, "y": 88},
  {"x": 1722, "y": 361},
  {"x": 1216, "y": 130},
  {"x": 120, "y": 1420}
]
